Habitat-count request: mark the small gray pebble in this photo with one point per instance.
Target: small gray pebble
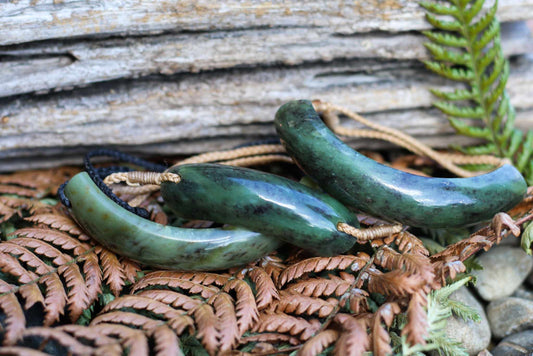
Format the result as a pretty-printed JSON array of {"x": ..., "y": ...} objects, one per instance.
[
  {"x": 519, "y": 344},
  {"x": 504, "y": 270},
  {"x": 509, "y": 315}
]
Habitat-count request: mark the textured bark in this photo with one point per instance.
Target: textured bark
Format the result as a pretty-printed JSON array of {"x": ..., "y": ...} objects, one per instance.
[{"x": 155, "y": 78}]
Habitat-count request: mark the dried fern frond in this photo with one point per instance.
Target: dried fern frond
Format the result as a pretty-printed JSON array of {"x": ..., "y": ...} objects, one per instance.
[
  {"x": 15, "y": 321},
  {"x": 246, "y": 308},
  {"x": 318, "y": 264},
  {"x": 383, "y": 319},
  {"x": 299, "y": 304},
  {"x": 112, "y": 269},
  {"x": 416, "y": 329},
  {"x": 319, "y": 343},
  {"x": 354, "y": 339},
  {"x": 317, "y": 287},
  {"x": 227, "y": 327},
  {"x": 284, "y": 323},
  {"x": 184, "y": 284},
  {"x": 266, "y": 291},
  {"x": 166, "y": 341}
]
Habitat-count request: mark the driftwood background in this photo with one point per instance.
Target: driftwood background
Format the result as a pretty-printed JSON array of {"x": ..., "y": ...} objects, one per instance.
[{"x": 181, "y": 77}]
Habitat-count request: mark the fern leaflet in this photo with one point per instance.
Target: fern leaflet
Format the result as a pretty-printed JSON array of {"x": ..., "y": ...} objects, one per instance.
[{"x": 465, "y": 47}]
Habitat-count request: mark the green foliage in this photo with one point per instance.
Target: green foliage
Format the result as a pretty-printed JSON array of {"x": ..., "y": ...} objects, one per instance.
[
  {"x": 527, "y": 239},
  {"x": 439, "y": 308},
  {"x": 465, "y": 46}
]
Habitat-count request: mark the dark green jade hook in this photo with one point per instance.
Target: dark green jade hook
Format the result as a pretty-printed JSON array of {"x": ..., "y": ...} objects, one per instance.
[{"x": 388, "y": 193}]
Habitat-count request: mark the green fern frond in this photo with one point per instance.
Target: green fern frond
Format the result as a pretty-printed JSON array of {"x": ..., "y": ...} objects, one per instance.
[
  {"x": 465, "y": 47},
  {"x": 458, "y": 94},
  {"x": 454, "y": 110},
  {"x": 445, "y": 39},
  {"x": 484, "y": 149},
  {"x": 457, "y": 74},
  {"x": 471, "y": 131},
  {"x": 439, "y": 308}
]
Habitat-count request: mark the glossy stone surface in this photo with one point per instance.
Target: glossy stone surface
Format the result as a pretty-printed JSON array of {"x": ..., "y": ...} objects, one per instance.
[
  {"x": 384, "y": 192},
  {"x": 158, "y": 245},
  {"x": 261, "y": 202}
]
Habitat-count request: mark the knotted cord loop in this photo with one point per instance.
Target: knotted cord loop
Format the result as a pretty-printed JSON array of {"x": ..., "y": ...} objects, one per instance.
[
  {"x": 137, "y": 178},
  {"x": 371, "y": 233}
]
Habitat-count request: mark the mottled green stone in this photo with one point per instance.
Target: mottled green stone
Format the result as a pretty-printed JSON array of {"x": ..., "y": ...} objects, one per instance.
[
  {"x": 261, "y": 202},
  {"x": 384, "y": 192},
  {"x": 158, "y": 245}
]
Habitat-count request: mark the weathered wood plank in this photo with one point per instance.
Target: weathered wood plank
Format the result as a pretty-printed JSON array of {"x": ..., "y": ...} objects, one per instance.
[
  {"x": 33, "y": 20},
  {"x": 179, "y": 112},
  {"x": 46, "y": 66}
]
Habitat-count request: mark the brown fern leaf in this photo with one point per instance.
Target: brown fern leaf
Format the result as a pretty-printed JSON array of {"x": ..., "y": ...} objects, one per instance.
[
  {"x": 59, "y": 337},
  {"x": 57, "y": 238},
  {"x": 26, "y": 256},
  {"x": 380, "y": 336},
  {"x": 174, "y": 299},
  {"x": 57, "y": 221},
  {"x": 409, "y": 262},
  {"x": 448, "y": 266},
  {"x": 93, "y": 275},
  {"x": 318, "y": 287},
  {"x": 130, "y": 269},
  {"x": 15, "y": 321},
  {"x": 354, "y": 339},
  {"x": 204, "y": 278},
  {"x": 416, "y": 328},
  {"x": 55, "y": 298},
  {"x": 78, "y": 295},
  {"x": 247, "y": 313},
  {"x": 357, "y": 300},
  {"x": 408, "y": 242},
  {"x": 464, "y": 248},
  {"x": 227, "y": 327},
  {"x": 90, "y": 334},
  {"x": 397, "y": 282},
  {"x": 28, "y": 290},
  {"x": 25, "y": 204},
  {"x": 206, "y": 322},
  {"x": 266, "y": 291},
  {"x": 318, "y": 264},
  {"x": 78, "y": 299},
  {"x": 126, "y": 318},
  {"x": 272, "y": 338},
  {"x": 193, "y": 288},
  {"x": 45, "y": 180},
  {"x": 18, "y": 190},
  {"x": 112, "y": 268},
  {"x": 283, "y": 323},
  {"x": 6, "y": 212},
  {"x": 273, "y": 266},
  {"x": 166, "y": 341},
  {"x": 131, "y": 339},
  {"x": 176, "y": 318},
  {"x": 21, "y": 351},
  {"x": 300, "y": 304},
  {"x": 319, "y": 343},
  {"x": 143, "y": 304}
]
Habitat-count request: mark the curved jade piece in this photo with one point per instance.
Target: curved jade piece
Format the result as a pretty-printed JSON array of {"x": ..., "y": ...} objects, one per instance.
[
  {"x": 384, "y": 192},
  {"x": 158, "y": 245},
  {"x": 261, "y": 202}
]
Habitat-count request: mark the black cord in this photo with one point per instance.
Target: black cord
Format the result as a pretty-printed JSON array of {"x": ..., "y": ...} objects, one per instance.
[{"x": 97, "y": 175}]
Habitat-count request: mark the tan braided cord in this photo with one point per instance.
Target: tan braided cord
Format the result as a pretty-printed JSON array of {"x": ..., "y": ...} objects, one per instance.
[
  {"x": 371, "y": 233},
  {"x": 447, "y": 161}
]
